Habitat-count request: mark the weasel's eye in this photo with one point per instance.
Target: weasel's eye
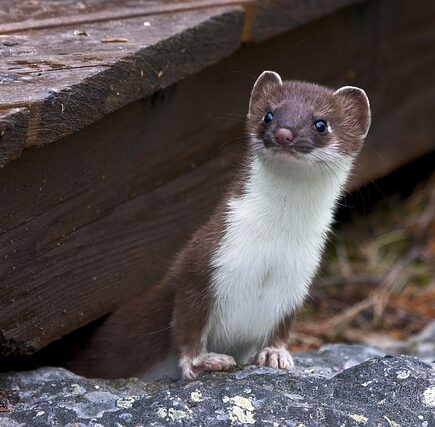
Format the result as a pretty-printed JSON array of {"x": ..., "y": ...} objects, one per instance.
[
  {"x": 268, "y": 117},
  {"x": 320, "y": 126}
]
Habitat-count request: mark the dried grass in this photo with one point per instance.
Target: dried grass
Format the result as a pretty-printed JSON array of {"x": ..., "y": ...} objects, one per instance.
[{"x": 378, "y": 276}]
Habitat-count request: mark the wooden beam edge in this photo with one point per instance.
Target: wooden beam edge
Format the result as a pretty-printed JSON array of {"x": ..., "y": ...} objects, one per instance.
[{"x": 13, "y": 130}]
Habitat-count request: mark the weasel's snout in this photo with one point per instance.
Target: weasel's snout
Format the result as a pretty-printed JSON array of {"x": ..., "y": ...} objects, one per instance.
[{"x": 283, "y": 136}]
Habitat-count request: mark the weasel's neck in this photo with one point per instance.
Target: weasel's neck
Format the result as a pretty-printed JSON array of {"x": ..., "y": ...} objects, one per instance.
[{"x": 293, "y": 196}]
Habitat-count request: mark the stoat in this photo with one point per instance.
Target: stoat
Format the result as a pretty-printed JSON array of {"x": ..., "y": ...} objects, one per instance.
[{"x": 233, "y": 289}]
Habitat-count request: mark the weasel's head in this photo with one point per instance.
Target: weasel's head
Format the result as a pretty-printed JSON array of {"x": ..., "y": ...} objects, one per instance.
[{"x": 305, "y": 122}]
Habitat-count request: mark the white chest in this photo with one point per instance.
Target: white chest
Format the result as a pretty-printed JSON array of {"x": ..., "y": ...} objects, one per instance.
[{"x": 271, "y": 248}]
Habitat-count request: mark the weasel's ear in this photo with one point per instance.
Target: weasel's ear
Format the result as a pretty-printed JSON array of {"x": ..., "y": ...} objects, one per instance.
[
  {"x": 266, "y": 81},
  {"x": 356, "y": 103}
]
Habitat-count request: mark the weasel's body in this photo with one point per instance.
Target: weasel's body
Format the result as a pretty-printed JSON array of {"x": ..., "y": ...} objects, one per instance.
[{"x": 232, "y": 290}]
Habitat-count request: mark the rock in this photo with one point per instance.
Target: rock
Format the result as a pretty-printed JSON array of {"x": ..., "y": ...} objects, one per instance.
[{"x": 340, "y": 385}]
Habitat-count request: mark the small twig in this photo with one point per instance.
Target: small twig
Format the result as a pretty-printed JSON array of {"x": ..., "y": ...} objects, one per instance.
[
  {"x": 343, "y": 259},
  {"x": 377, "y": 299},
  {"x": 337, "y": 323},
  {"x": 381, "y": 296}
]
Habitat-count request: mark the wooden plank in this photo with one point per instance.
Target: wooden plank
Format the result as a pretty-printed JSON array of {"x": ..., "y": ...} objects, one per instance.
[
  {"x": 79, "y": 79},
  {"x": 43, "y": 14},
  {"x": 269, "y": 17},
  {"x": 93, "y": 219}
]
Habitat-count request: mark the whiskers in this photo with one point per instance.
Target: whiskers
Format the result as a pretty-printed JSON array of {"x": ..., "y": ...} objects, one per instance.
[
  {"x": 239, "y": 118},
  {"x": 331, "y": 162}
]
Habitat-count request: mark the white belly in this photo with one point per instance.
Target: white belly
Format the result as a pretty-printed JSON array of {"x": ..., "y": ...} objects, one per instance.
[
  {"x": 257, "y": 282},
  {"x": 269, "y": 253}
]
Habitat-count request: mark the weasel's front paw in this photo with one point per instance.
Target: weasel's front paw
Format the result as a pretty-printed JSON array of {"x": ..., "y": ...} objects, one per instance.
[
  {"x": 275, "y": 357},
  {"x": 192, "y": 367}
]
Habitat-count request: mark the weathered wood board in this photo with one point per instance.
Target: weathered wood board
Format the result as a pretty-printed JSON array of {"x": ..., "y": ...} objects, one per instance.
[
  {"x": 87, "y": 222},
  {"x": 73, "y": 80}
]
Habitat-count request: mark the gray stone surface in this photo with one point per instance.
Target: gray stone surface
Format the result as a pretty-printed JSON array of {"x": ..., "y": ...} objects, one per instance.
[{"x": 337, "y": 386}]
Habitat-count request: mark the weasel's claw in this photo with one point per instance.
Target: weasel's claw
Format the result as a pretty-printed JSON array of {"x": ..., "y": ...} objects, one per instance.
[
  {"x": 275, "y": 357},
  {"x": 192, "y": 367}
]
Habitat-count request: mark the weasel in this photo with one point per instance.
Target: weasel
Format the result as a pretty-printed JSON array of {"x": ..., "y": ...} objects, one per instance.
[{"x": 233, "y": 289}]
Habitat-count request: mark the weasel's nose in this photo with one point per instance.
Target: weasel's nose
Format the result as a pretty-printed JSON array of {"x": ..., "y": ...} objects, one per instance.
[{"x": 284, "y": 136}]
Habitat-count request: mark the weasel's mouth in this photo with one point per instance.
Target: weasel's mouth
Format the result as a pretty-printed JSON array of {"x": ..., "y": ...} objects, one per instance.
[
  {"x": 293, "y": 151},
  {"x": 285, "y": 154},
  {"x": 296, "y": 148},
  {"x": 284, "y": 151}
]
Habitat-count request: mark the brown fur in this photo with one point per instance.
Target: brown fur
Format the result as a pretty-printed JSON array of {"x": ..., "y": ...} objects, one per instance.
[{"x": 281, "y": 334}]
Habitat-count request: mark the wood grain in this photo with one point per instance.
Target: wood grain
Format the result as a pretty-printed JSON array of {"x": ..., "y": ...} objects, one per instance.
[
  {"x": 13, "y": 127},
  {"x": 76, "y": 80},
  {"x": 42, "y": 14},
  {"x": 271, "y": 17}
]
